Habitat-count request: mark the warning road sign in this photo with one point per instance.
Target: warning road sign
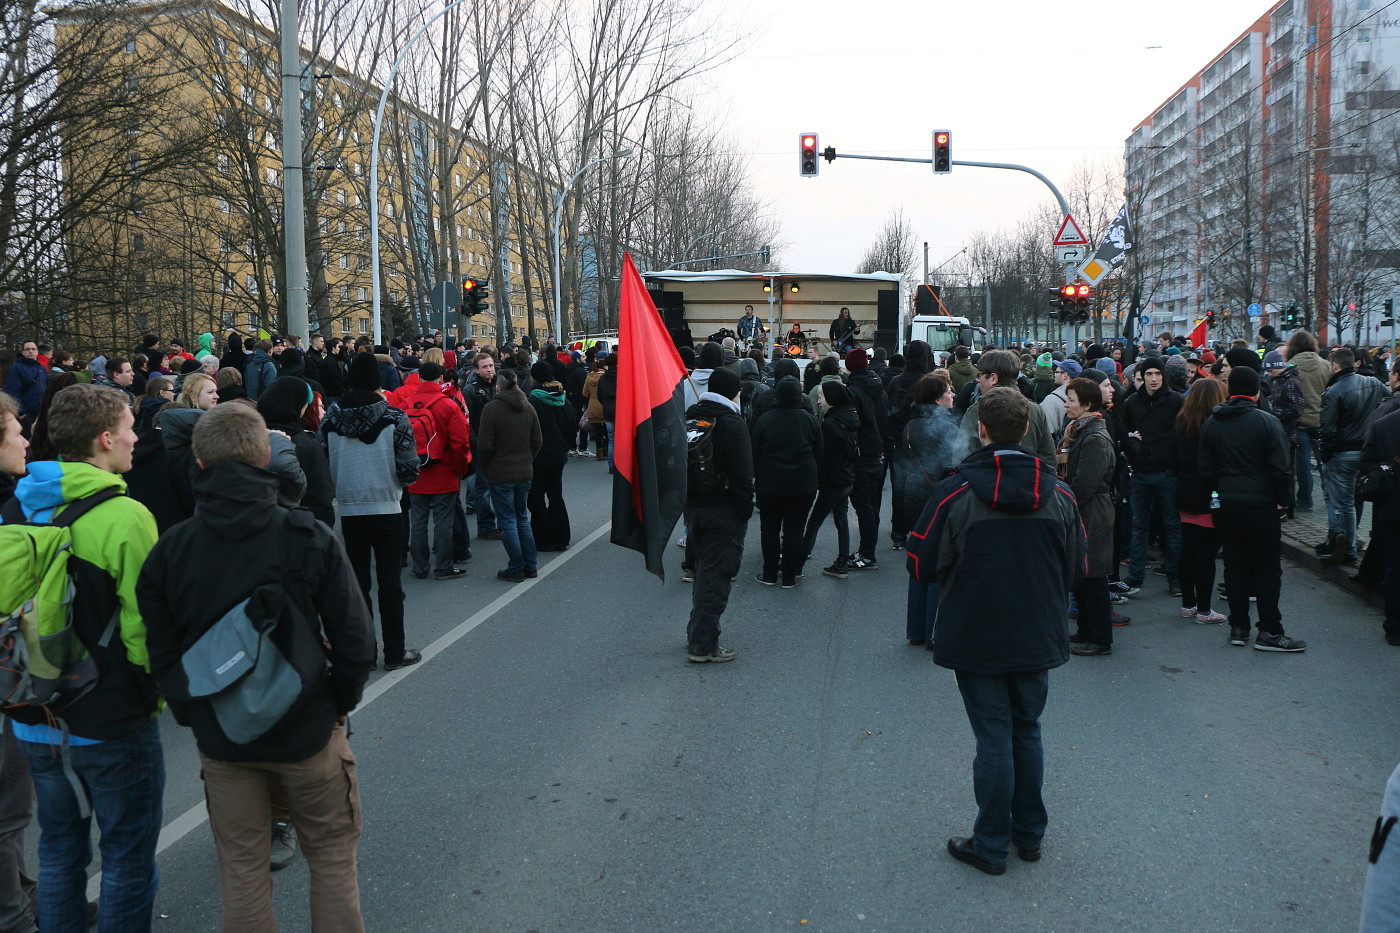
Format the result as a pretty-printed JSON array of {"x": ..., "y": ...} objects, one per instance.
[{"x": 1070, "y": 234}]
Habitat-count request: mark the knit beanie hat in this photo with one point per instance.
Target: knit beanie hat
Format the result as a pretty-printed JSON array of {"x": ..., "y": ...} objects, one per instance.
[
  {"x": 1244, "y": 380},
  {"x": 1106, "y": 366},
  {"x": 836, "y": 393},
  {"x": 711, "y": 356},
  {"x": 1150, "y": 362},
  {"x": 856, "y": 360},
  {"x": 541, "y": 373},
  {"x": 363, "y": 373},
  {"x": 724, "y": 382},
  {"x": 1239, "y": 356},
  {"x": 430, "y": 372}
]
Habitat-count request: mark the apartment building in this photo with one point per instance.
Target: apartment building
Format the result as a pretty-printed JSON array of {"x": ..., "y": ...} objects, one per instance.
[
  {"x": 191, "y": 238},
  {"x": 1269, "y": 177}
]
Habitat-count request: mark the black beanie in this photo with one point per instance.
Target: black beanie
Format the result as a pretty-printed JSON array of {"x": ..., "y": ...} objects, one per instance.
[
  {"x": 541, "y": 373},
  {"x": 363, "y": 373},
  {"x": 836, "y": 393},
  {"x": 1243, "y": 381},
  {"x": 723, "y": 382},
  {"x": 1239, "y": 357},
  {"x": 1151, "y": 362},
  {"x": 430, "y": 372},
  {"x": 711, "y": 356}
]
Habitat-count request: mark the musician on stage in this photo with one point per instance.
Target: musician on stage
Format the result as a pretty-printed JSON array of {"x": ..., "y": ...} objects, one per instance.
[
  {"x": 748, "y": 324},
  {"x": 795, "y": 337},
  {"x": 843, "y": 331}
]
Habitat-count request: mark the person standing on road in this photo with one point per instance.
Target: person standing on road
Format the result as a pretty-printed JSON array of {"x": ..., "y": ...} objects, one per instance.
[
  {"x": 1087, "y": 462},
  {"x": 1001, "y": 493},
  {"x": 549, "y": 515},
  {"x": 1200, "y": 539},
  {"x": 1382, "y": 446},
  {"x": 303, "y": 759},
  {"x": 1244, "y": 457},
  {"x": 932, "y": 445},
  {"x": 873, "y": 407},
  {"x": 443, "y": 462},
  {"x": 1149, "y": 415},
  {"x": 785, "y": 444},
  {"x": 1348, "y": 406},
  {"x": 1312, "y": 370},
  {"x": 836, "y": 471},
  {"x": 479, "y": 390},
  {"x": 717, "y": 519},
  {"x": 510, "y": 440}
]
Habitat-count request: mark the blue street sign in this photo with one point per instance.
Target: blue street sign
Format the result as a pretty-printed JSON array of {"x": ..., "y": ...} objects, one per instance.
[
  {"x": 1254, "y": 310},
  {"x": 1145, "y": 320}
]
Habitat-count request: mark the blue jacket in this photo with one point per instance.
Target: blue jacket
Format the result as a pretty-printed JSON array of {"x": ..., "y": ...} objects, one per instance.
[
  {"x": 1002, "y": 523},
  {"x": 25, "y": 382}
]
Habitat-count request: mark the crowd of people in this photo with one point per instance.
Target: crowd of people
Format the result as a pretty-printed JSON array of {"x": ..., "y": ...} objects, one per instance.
[{"x": 267, "y": 448}]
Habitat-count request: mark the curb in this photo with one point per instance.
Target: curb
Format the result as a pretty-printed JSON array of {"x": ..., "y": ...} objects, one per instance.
[{"x": 1302, "y": 555}]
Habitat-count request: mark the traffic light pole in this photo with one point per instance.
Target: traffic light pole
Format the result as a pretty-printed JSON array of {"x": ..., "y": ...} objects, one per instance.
[{"x": 1068, "y": 333}]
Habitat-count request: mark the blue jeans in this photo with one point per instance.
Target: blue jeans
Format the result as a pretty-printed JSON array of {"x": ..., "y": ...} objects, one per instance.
[
  {"x": 481, "y": 497},
  {"x": 612, "y": 431},
  {"x": 1339, "y": 488},
  {"x": 124, "y": 780},
  {"x": 1004, "y": 711},
  {"x": 513, "y": 515},
  {"x": 1307, "y": 445},
  {"x": 1154, "y": 490}
]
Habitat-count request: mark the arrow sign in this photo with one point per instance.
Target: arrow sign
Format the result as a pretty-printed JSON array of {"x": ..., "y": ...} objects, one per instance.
[{"x": 1070, "y": 234}]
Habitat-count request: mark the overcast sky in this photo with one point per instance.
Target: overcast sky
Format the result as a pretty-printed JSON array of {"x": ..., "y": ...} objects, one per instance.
[{"x": 1039, "y": 83}]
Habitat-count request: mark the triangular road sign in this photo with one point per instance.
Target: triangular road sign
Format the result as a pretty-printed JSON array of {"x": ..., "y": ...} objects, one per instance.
[{"x": 1070, "y": 234}]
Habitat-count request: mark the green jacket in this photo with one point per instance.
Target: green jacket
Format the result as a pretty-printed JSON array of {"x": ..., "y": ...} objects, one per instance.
[
  {"x": 110, "y": 544},
  {"x": 961, "y": 372}
]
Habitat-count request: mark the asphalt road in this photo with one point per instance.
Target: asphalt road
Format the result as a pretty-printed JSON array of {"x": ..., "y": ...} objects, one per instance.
[{"x": 556, "y": 765}]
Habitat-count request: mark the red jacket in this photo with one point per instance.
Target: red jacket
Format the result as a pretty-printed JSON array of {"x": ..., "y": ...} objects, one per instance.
[{"x": 445, "y": 474}]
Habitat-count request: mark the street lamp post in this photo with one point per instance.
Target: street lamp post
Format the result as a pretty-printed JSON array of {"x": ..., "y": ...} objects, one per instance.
[{"x": 554, "y": 229}]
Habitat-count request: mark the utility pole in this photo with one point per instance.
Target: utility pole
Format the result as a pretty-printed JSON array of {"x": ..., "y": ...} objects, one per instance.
[{"x": 293, "y": 205}]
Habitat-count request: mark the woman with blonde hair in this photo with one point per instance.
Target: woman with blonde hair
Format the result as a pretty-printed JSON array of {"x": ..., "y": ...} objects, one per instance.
[{"x": 198, "y": 391}]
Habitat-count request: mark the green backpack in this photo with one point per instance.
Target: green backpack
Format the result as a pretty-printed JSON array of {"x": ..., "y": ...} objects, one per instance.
[{"x": 44, "y": 666}]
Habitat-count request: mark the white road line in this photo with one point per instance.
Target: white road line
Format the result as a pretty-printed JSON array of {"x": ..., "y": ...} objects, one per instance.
[{"x": 195, "y": 816}]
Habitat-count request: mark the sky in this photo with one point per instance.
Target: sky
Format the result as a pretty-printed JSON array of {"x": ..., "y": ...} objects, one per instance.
[{"x": 1044, "y": 84}]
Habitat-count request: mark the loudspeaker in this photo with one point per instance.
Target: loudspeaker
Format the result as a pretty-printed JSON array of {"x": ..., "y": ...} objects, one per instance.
[
  {"x": 887, "y": 339},
  {"x": 887, "y": 310},
  {"x": 926, "y": 299}
]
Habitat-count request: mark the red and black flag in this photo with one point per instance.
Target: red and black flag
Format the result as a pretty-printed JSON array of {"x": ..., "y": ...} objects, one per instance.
[{"x": 649, "y": 443}]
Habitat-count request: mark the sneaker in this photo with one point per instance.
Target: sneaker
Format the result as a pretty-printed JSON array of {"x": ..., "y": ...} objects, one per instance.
[
  {"x": 789, "y": 581},
  {"x": 452, "y": 574},
  {"x": 410, "y": 657},
  {"x": 1279, "y": 642},
  {"x": 507, "y": 576},
  {"x": 718, "y": 656},
  {"x": 465, "y": 556},
  {"x": 680, "y": 542},
  {"x": 837, "y": 570},
  {"x": 898, "y": 542},
  {"x": 1173, "y": 588},
  {"x": 284, "y": 845},
  {"x": 1210, "y": 618},
  {"x": 1188, "y": 612},
  {"x": 493, "y": 535},
  {"x": 1134, "y": 586},
  {"x": 862, "y": 562},
  {"x": 687, "y": 575},
  {"x": 1123, "y": 589},
  {"x": 1159, "y": 571},
  {"x": 1117, "y": 598},
  {"x": 1091, "y": 650},
  {"x": 1074, "y": 615},
  {"x": 1239, "y": 637},
  {"x": 767, "y": 579},
  {"x": 1120, "y": 619}
]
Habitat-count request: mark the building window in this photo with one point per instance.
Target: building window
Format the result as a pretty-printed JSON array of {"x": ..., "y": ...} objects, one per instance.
[
  {"x": 222, "y": 206},
  {"x": 138, "y": 242},
  {"x": 271, "y": 174},
  {"x": 345, "y": 293},
  {"x": 1363, "y": 34},
  {"x": 225, "y": 282},
  {"x": 343, "y": 261},
  {"x": 345, "y": 325},
  {"x": 340, "y": 196},
  {"x": 362, "y": 293},
  {"x": 130, "y": 47},
  {"x": 250, "y": 283},
  {"x": 340, "y": 227},
  {"x": 364, "y": 325}
]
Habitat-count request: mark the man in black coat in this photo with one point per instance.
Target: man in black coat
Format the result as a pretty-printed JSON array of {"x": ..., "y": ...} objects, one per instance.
[
  {"x": 1150, "y": 417},
  {"x": 1244, "y": 456},
  {"x": 718, "y": 519},
  {"x": 1383, "y": 446},
  {"x": 873, "y": 438}
]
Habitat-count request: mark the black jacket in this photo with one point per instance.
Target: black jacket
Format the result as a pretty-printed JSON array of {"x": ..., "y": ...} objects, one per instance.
[
  {"x": 1153, "y": 416},
  {"x": 148, "y": 481},
  {"x": 764, "y": 401},
  {"x": 917, "y": 363},
  {"x": 1192, "y": 492},
  {"x": 1001, "y": 523},
  {"x": 874, "y": 407},
  {"x": 785, "y": 444},
  {"x": 1383, "y": 446},
  {"x": 734, "y": 452},
  {"x": 1244, "y": 456},
  {"x": 558, "y": 425},
  {"x": 836, "y": 462},
  {"x": 237, "y": 523},
  {"x": 1349, "y": 404}
]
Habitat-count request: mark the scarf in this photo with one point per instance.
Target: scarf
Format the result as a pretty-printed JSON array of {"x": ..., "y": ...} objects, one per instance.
[{"x": 1072, "y": 435}]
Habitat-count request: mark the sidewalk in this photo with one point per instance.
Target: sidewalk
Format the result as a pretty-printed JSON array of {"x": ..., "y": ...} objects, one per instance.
[{"x": 1309, "y": 529}]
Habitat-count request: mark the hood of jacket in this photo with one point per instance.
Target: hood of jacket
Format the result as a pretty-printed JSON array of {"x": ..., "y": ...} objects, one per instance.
[
  {"x": 786, "y": 367},
  {"x": 1234, "y": 408},
  {"x": 361, "y": 422},
  {"x": 233, "y": 500},
  {"x": 204, "y": 346},
  {"x": 1008, "y": 478},
  {"x": 51, "y": 483},
  {"x": 1310, "y": 362},
  {"x": 748, "y": 370},
  {"x": 512, "y": 397},
  {"x": 553, "y": 396},
  {"x": 918, "y": 357},
  {"x": 787, "y": 394},
  {"x": 234, "y": 344}
]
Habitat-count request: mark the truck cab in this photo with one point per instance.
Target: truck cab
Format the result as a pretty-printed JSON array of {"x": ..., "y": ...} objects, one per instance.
[{"x": 943, "y": 333}]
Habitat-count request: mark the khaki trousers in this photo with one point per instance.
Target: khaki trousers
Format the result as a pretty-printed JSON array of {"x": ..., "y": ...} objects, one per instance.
[{"x": 323, "y": 796}]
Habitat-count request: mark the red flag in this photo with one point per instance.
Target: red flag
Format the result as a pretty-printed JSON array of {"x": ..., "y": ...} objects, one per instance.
[
  {"x": 1197, "y": 337},
  {"x": 649, "y": 444}
]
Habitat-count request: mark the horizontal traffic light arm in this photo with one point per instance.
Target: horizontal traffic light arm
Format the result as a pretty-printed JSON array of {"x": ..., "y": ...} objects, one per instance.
[{"x": 831, "y": 154}]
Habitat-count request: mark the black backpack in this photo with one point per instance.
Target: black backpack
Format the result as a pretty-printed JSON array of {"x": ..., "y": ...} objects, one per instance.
[{"x": 702, "y": 468}]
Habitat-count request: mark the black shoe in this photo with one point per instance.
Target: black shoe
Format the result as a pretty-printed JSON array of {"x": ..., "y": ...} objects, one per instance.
[
  {"x": 1159, "y": 570},
  {"x": 531, "y": 574},
  {"x": 410, "y": 656},
  {"x": 1392, "y": 639},
  {"x": 1239, "y": 637},
  {"x": 466, "y": 556},
  {"x": 1078, "y": 639},
  {"x": 417, "y": 576},
  {"x": 1174, "y": 587},
  {"x": 1279, "y": 642},
  {"x": 284, "y": 845},
  {"x": 493, "y": 535},
  {"x": 1091, "y": 650},
  {"x": 767, "y": 579},
  {"x": 789, "y": 580},
  {"x": 898, "y": 542},
  {"x": 1117, "y": 618},
  {"x": 452, "y": 574},
  {"x": 1324, "y": 549},
  {"x": 1339, "y": 549},
  {"x": 509, "y": 577},
  {"x": 718, "y": 656},
  {"x": 862, "y": 562},
  {"x": 1028, "y": 854},
  {"x": 962, "y": 850}
]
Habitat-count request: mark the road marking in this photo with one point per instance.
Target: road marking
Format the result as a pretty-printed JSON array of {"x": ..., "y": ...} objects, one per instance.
[{"x": 197, "y": 815}]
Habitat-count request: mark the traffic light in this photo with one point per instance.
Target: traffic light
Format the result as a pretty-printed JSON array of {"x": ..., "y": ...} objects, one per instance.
[
  {"x": 1074, "y": 301},
  {"x": 942, "y": 152},
  {"x": 807, "y": 162},
  {"x": 482, "y": 293},
  {"x": 1388, "y": 318},
  {"x": 1290, "y": 317},
  {"x": 1248, "y": 239},
  {"x": 468, "y": 294},
  {"x": 1210, "y": 317}
]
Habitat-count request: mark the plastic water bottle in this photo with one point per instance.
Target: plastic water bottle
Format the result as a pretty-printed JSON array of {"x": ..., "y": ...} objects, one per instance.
[{"x": 1214, "y": 499}]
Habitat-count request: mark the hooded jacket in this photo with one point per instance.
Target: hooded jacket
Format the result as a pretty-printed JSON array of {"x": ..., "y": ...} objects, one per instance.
[
  {"x": 733, "y": 451},
  {"x": 25, "y": 383},
  {"x": 371, "y": 452},
  {"x": 1001, "y": 523},
  {"x": 558, "y": 425},
  {"x": 1089, "y": 471},
  {"x": 1315, "y": 373},
  {"x": 280, "y": 405},
  {"x": 1244, "y": 456},
  {"x": 961, "y": 372},
  {"x": 785, "y": 444},
  {"x": 873, "y": 406},
  {"x": 233, "y": 354},
  {"x": 204, "y": 346},
  {"x": 762, "y": 402},
  {"x": 445, "y": 474},
  {"x": 148, "y": 480},
  {"x": 918, "y": 362},
  {"x": 510, "y": 438},
  {"x": 1383, "y": 446},
  {"x": 109, "y": 545},
  {"x": 237, "y": 523},
  {"x": 176, "y": 430},
  {"x": 836, "y": 463},
  {"x": 260, "y": 373}
]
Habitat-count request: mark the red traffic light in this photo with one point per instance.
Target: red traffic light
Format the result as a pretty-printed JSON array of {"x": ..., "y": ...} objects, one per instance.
[
  {"x": 941, "y": 139},
  {"x": 1082, "y": 291},
  {"x": 469, "y": 283},
  {"x": 809, "y": 141},
  {"x": 1068, "y": 292}
]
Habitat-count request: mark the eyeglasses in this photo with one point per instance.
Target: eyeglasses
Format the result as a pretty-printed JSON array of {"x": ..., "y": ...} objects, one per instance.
[{"x": 171, "y": 391}]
